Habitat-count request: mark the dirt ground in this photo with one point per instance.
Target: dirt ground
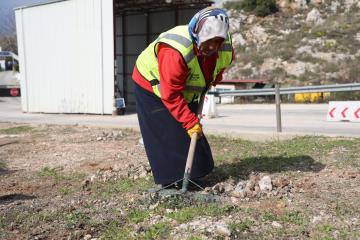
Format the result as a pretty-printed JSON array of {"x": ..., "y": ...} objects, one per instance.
[{"x": 78, "y": 182}]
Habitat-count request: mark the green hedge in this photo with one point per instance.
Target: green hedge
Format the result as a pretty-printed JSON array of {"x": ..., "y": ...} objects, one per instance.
[{"x": 260, "y": 8}]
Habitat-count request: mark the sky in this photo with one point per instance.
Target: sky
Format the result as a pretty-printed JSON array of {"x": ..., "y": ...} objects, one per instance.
[{"x": 7, "y": 16}]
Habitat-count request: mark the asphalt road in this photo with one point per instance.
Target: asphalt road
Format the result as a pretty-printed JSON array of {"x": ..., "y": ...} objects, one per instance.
[{"x": 253, "y": 121}]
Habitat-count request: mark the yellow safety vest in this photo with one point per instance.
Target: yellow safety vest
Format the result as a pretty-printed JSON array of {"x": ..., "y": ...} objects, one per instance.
[{"x": 179, "y": 38}]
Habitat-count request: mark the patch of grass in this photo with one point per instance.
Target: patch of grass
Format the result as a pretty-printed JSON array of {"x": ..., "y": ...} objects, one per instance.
[
  {"x": 343, "y": 209},
  {"x": 65, "y": 191},
  {"x": 54, "y": 173},
  {"x": 326, "y": 228},
  {"x": 187, "y": 214},
  {"x": 2, "y": 221},
  {"x": 195, "y": 238},
  {"x": 307, "y": 153},
  {"x": 268, "y": 216},
  {"x": 289, "y": 217},
  {"x": 138, "y": 215},
  {"x": 123, "y": 185},
  {"x": 75, "y": 218},
  {"x": 292, "y": 217},
  {"x": 57, "y": 174},
  {"x": 115, "y": 231},
  {"x": 156, "y": 231},
  {"x": 242, "y": 226},
  {"x": 16, "y": 130},
  {"x": 2, "y": 165},
  {"x": 304, "y": 57}
]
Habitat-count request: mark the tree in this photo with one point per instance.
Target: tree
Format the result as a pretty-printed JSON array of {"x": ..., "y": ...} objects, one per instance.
[{"x": 8, "y": 40}]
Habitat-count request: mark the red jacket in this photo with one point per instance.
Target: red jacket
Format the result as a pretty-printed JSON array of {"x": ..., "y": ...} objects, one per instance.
[{"x": 173, "y": 74}]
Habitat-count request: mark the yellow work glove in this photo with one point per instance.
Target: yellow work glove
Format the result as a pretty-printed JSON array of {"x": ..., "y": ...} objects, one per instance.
[{"x": 195, "y": 129}]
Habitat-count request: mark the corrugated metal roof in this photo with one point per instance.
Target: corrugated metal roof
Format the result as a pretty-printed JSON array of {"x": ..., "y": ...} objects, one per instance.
[
  {"x": 144, "y": 5},
  {"x": 39, "y": 4},
  {"x": 136, "y": 5}
]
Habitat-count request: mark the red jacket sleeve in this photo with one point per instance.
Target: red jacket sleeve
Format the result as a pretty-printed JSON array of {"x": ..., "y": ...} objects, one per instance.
[{"x": 173, "y": 74}]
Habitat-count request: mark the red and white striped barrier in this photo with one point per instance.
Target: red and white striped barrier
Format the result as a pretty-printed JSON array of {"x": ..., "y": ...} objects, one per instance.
[{"x": 344, "y": 111}]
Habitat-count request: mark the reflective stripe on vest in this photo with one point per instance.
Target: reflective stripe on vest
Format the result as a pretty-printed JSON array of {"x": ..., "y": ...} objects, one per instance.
[{"x": 179, "y": 39}]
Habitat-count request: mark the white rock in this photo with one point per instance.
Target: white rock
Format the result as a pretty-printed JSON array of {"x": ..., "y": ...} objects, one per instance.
[
  {"x": 283, "y": 3},
  {"x": 276, "y": 224},
  {"x": 335, "y": 6},
  {"x": 314, "y": 17},
  {"x": 265, "y": 183},
  {"x": 357, "y": 37},
  {"x": 304, "y": 49},
  {"x": 235, "y": 24},
  {"x": 223, "y": 230},
  {"x": 117, "y": 167},
  {"x": 299, "y": 4},
  {"x": 251, "y": 19},
  {"x": 87, "y": 237},
  {"x": 316, "y": 219},
  {"x": 238, "y": 39},
  {"x": 317, "y": 2},
  {"x": 270, "y": 64},
  {"x": 286, "y": 31},
  {"x": 351, "y": 3},
  {"x": 257, "y": 34}
]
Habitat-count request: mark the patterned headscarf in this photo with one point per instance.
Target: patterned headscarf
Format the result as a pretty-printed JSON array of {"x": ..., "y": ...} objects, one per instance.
[{"x": 207, "y": 24}]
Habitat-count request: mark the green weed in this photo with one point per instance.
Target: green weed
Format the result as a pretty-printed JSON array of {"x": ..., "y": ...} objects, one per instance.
[
  {"x": 137, "y": 215},
  {"x": 187, "y": 214},
  {"x": 16, "y": 130},
  {"x": 57, "y": 174},
  {"x": 54, "y": 173},
  {"x": 116, "y": 232},
  {"x": 242, "y": 226},
  {"x": 122, "y": 185},
  {"x": 75, "y": 218},
  {"x": 157, "y": 231}
]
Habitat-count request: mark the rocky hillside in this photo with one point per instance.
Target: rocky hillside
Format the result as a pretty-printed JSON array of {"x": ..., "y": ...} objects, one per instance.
[{"x": 305, "y": 42}]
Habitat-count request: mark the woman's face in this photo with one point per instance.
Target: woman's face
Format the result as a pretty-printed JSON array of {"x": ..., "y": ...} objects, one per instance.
[{"x": 211, "y": 46}]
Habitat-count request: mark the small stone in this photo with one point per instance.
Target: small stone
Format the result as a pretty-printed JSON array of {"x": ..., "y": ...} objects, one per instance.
[
  {"x": 169, "y": 210},
  {"x": 316, "y": 219},
  {"x": 152, "y": 207},
  {"x": 219, "y": 188},
  {"x": 116, "y": 167},
  {"x": 99, "y": 138},
  {"x": 276, "y": 224},
  {"x": 87, "y": 237},
  {"x": 223, "y": 230},
  {"x": 265, "y": 183}
]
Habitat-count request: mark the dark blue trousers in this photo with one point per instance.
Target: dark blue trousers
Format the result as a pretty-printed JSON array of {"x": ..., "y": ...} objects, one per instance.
[{"x": 167, "y": 142}]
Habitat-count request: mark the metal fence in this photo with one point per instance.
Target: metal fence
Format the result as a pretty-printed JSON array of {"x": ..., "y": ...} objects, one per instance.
[
  {"x": 277, "y": 91},
  {"x": 289, "y": 90}
]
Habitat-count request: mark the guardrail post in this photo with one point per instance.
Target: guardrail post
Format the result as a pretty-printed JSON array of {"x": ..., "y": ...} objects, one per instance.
[{"x": 278, "y": 109}]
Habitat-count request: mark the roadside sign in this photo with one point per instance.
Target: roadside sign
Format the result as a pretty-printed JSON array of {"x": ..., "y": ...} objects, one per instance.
[
  {"x": 14, "y": 92},
  {"x": 344, "y": 111}
]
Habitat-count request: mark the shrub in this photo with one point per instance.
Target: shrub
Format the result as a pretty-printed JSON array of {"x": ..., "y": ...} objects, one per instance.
[{"x": 260, "y": 8}]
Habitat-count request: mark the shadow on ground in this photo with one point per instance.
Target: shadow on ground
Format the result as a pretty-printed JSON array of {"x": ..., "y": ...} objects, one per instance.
[
  {"x": 242, "y": 168},
  {"x": 9, "y": 198}
]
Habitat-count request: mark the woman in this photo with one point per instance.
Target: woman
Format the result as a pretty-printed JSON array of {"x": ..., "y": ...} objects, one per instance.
[{"x": 170, "y": 76}]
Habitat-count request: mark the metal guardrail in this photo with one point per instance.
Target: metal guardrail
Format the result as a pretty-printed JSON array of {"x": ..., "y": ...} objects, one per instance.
[{"x": 289, "y": 90}]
